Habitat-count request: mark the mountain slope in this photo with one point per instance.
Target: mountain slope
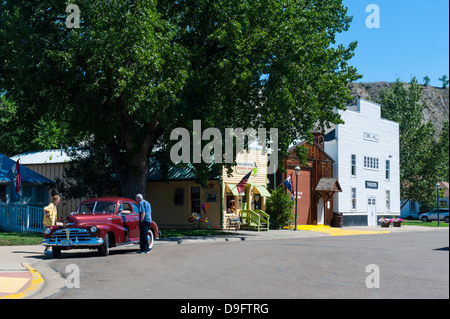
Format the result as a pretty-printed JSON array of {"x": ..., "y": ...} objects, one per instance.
[{"x": 436, "y": 99}]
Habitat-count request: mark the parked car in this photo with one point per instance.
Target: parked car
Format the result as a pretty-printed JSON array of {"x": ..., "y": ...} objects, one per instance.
[
  {"x": 432, "y": 215},
  {"x": 99, "y": 223}
]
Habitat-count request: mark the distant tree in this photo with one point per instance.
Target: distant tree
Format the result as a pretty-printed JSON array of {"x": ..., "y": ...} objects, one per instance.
[
  {"x": 442, "y": 147},
  {"x": 419, "y": 159},
  {"x": 40, "y": 133},
  {"x": 426, "y": 80},
  {"x": 8, "y": 138},
  {"x": 444, "y": 80}
]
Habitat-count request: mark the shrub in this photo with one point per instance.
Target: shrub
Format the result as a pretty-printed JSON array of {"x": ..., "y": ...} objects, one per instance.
[{"x": 279, "y": 207}]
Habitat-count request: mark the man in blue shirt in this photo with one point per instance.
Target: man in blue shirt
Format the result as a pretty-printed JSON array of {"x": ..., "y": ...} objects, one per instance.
[{"x": 145, "y": 218}]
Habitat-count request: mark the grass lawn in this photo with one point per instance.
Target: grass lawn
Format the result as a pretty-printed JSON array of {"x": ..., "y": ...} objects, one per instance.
[
  {"x": 12, "y": 239},
  {"x": 421, "y": 223}
]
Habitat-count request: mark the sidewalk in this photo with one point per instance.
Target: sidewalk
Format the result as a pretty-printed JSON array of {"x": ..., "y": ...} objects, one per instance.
[
  {"x": 18, "y": 277},
  {"x": 25, "y": 273}
]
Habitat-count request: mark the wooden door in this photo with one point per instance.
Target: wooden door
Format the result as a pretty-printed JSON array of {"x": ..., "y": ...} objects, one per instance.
[{"x": 303, "y": 196}]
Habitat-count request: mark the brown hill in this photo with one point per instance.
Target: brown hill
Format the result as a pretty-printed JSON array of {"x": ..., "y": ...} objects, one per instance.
[{"x": 436, "y": 99}]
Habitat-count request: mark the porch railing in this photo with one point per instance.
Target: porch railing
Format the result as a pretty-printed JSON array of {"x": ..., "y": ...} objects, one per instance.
[
  {"x": 255, "y": 219},
  {"x": 21, "y": 218}
]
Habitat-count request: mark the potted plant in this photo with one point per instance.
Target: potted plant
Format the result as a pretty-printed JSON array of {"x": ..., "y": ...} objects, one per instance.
[
  {"x": 397, "y": 222},
  {"x": 384, "y": 222}
]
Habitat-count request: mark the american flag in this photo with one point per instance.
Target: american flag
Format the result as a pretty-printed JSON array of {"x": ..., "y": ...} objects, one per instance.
[{"x": 241, "y": 185}]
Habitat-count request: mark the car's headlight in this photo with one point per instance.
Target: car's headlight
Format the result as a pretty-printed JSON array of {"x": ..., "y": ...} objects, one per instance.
[
  {"x": 93, "y": 229},
  {"x": 47, "y": 230}
]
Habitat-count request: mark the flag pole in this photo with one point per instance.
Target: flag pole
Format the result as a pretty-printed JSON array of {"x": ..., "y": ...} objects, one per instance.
[{"x": 278, "y": 186}]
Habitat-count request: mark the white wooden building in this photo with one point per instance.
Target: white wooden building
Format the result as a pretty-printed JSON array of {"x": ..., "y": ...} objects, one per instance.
[{"x": 367, "y": 156}]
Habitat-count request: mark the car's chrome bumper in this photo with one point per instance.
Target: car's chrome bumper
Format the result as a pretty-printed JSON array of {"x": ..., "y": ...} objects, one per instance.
[
  {"x": 92, "y": 241},
  {"x": 68, "y": 237}
]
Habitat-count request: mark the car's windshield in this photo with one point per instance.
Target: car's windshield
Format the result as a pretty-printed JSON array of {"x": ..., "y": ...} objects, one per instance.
[{"x": 97, "y": 207}]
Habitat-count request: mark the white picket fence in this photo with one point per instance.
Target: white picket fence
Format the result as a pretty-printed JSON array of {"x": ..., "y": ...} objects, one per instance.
[{"x": 21, "y": 218}]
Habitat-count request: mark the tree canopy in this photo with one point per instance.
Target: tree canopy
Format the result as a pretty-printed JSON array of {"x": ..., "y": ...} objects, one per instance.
[
  {"x": 423, "y": 158},
  {"x": 135, "y": 70}
]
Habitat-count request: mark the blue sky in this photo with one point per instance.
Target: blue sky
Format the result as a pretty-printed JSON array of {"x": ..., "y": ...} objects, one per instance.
[{"x": 412, "y": 40}]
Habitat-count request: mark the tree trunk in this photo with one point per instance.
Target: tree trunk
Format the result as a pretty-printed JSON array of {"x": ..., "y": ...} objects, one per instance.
[
  {"x": 132, "y": 171},
  {"x": 131, "y": 184},
  {"x": 130, "y": 153}
]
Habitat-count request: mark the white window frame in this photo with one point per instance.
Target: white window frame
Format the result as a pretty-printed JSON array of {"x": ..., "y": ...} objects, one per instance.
[
  {"x": 372, "y": 163},
  {"x": 353, "y": 198},
  {"x": 388, "y": 200},
  {"x": 388, "y": 170},
  {"x": 353, "y": 165}
]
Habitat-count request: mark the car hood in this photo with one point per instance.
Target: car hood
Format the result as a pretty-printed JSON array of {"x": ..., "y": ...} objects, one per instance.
[{"x": 80, "y": 220}]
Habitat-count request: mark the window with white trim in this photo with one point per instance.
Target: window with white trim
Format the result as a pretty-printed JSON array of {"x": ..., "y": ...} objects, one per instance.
[
  {"x": 371, "y": 162},
  {"x": 388, "y": 200},
  {"x": 353, "y": 171},
  {"x": 412, "y": 206},
  {"x": 388, "y": 170},
  {"x": 353, "y": 198}
]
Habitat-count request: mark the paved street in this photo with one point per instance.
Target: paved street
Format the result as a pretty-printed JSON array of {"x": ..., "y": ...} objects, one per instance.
[{"x": 411, "y": 265}]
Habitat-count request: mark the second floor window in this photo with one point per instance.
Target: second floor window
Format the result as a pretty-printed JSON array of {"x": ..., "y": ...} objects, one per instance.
[
  {"x": 353, "y": 165},
  {"x": 371, "y": 162},
  {"x": 388, "y": 170}
]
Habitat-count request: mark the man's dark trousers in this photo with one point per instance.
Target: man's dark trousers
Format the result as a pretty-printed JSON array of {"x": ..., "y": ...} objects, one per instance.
[{"x": 143, "y": 229}]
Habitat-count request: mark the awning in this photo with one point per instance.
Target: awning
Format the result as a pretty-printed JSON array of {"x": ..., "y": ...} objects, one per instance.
[
  {"x": 261, "y": 189},
  {"x": 328, "y": 184},
  {"x": 234, "y": 189}
]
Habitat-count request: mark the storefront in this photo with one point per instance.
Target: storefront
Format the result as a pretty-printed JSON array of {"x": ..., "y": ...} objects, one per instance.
[
  {"x": 179, "y": 202},
  {"x": 316, "y": 184},
  {"x": 255, "y": 192}
]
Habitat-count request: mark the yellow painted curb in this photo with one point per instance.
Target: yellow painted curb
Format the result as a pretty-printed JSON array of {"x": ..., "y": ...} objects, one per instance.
[
  {"x": 36, "y": 281},
  {"x": 332, "y": 231}
]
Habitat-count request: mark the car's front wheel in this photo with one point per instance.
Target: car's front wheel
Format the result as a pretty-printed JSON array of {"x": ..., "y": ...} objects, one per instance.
[
  {"x": 103, "y": 249},
  {"x": 425, "y": 219},
  {"x": 56, "y": 251},
  {"x": 446, "y": 219}
]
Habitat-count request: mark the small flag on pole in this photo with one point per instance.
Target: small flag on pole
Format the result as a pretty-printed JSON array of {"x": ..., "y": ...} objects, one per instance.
[
  {"x": 14, "y": 176},
  {"x": 288, "y": 183},
  {"x": 241, "y": 185}
]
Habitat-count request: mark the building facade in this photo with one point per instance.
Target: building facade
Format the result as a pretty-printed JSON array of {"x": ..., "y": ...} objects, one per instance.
[
  {"x": 51, "y": 164},
  {"x": 367, "y": 164},
  {"x": 316, "y": 184},
  {"x": 35, "y": 187},
  {"x": 255, "y": 193},
  {"x": 179, "y": 202}
]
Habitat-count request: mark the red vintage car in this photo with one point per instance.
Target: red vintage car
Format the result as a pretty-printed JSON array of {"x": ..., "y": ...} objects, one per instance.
[{"x": 99, "y": 223}]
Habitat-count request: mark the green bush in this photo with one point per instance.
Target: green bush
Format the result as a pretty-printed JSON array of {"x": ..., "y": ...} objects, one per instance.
[{"x": 279, "y": 206}]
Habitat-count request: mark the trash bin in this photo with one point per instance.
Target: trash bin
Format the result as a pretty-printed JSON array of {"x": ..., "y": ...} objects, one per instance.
[{"x": 337, "y": 220}]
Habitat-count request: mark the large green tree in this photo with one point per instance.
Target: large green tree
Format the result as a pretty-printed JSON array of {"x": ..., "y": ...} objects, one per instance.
[
  {"x": 422, "y": 156},
  {"x": 135, "y": 70}
]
